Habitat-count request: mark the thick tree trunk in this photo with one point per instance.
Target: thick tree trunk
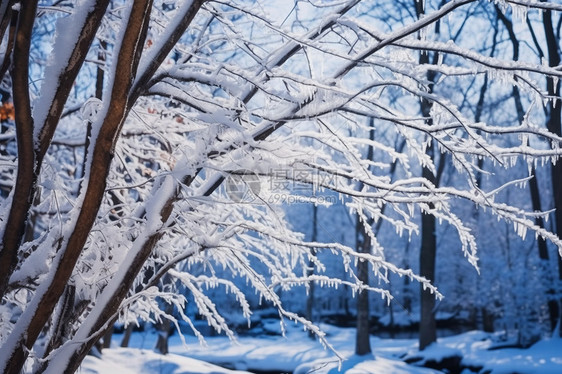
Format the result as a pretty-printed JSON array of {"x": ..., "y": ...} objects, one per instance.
[
  {"x": 164, "y": 330},
  {"x": 107, "y": 337},
  {"x": 104, "y": 314},
  {"x": 25, "y": 179},
  {"x": 309, "y": 313},
  {"x": 6, "y": 61},
  {"x": 553, "y": 124},
  {"x": 30, "y": 155},
  {"x": 487, "y": 320},
  {"x": 428, "y": 333},
  {"x": 38, "y": 313},
  {"x": 556, "y": 173},
  {"x": 163, "y": 335},
  {"x": 362, "y": 343},
  {"x": 127, "y": 336},
  {"x": 428, "y": 325},
  {"x": 428, "y": 250},
  {"x": 363, "y": 245},
  {"x": 553, "y": 308}
]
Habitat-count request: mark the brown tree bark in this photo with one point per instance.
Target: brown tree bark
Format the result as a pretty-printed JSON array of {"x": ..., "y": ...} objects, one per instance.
[
  {"x": 21, "y": 203},
  {"x": 8, "y": 22},
  {"x": 47, "y": 296},
  {"x": 108, "y": 315},
  {"x": 30, "y": 157}
]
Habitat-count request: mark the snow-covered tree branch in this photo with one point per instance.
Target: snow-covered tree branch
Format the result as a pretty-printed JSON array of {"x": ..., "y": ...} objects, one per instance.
[{"x": 165, "y": 179}]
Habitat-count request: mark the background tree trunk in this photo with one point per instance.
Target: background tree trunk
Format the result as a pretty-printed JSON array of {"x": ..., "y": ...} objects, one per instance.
[
  {"x": 309, "y": 313},
  {"x": 428, "y": 326},
  {"x": 533, "y": 183},
  {"x": 127, "y": 336},
  {"x": 164, "y": 332},
  {"x": 363, "y": 343},
  {"x": 553, "y": 124},
  {"x": 363, "y": 245},
  {"x": 428, "y": 250}
]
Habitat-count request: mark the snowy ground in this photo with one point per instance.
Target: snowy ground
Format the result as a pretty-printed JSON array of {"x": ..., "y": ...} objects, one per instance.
[{"x": 297, "y": 353}]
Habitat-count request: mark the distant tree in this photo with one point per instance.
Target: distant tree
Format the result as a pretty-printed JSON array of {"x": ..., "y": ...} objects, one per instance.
[
  {"x": 364, "y": 236},
  {"x": 543, "y": 253},
  {"x": 168, "y": 173},
  {"x": 553, "y": 116},
  {"x": 428, "y": 250},
  {"x": 309, "y": 312}
]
